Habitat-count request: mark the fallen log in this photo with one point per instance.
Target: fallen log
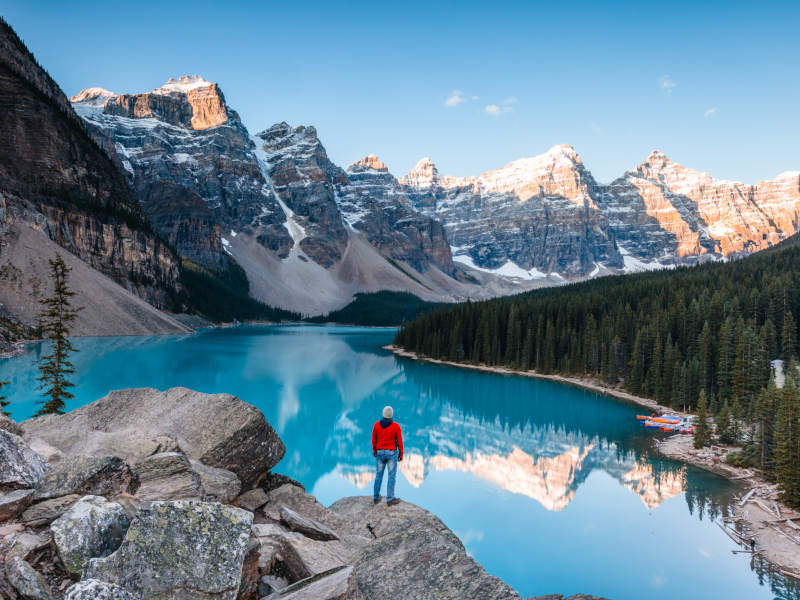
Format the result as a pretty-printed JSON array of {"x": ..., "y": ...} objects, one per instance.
[{"x": 747, "y": 496}]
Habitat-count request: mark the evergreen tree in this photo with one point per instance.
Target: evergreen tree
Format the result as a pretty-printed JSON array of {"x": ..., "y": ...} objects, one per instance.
[
  {"x": 787, "y": 447},
  {"x": 723, "y": 421},
  {"x": 789, "y": 337},
  {"x": 56, "y": 316},
  {"x": 3, "y": 400},
  {"x": 702, "y": 428}
]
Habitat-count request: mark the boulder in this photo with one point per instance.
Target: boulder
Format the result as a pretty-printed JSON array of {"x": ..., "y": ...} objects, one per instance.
[
  {"x": 269, "y": 584},
  {"x": 304, "y": 557},
  {"x": 125, "y": 422},
  {"x": 161, "y": 556},
  {"x": 92, "y": 589},
  {"x": 20, "y": 467},
  {"x": 426, "y": 559},
  {"x": 167, "y": 476},
  {"x": 48, "y": 511},
  {"x": 92, "y": 527},
  {"x": 337, "y": 584},
  {"x": 95, "y": 475},
  {"x": 13, "y": 503},
  {"x": 29, "y": 584},
  {"x": 26, "y": 544},
  {"x": 295, "y": 498},
  {"x": 308, "y": 527},
  {"x": 218, "y": 484},
  {"x": 252, "y": 500},
  {"x": 10, "y": 426}
]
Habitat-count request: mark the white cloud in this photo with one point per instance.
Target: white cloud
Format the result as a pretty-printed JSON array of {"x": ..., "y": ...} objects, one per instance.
[
  {"x": 511, "y": 100},
  {"x": 455, "y": 98},
  {"x": 711, "y": 113},
  {"x": 596, "y": 129},
  {"x": 665, "y": 83},
  {"x": 495, "y": 110}
]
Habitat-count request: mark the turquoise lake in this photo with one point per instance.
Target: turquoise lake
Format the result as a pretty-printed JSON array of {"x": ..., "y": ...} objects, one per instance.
[{"x": 552, "y": 488}]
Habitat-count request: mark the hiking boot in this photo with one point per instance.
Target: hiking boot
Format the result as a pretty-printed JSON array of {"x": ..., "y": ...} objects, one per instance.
[
  {"x": 376, "y": 500},
  {"x": 393, "y": 501}
]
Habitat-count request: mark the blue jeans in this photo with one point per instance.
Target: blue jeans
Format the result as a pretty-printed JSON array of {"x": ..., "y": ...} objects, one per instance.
[{"x": 385, "y": 458}]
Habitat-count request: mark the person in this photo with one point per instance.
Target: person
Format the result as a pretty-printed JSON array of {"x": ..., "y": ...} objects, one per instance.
[{"x": 387, "y": 448}]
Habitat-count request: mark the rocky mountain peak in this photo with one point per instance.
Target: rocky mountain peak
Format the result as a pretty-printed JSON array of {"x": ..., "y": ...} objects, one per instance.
[
  {"x": 183, "y": 85},
  {"x": 93, "y": 95},
  {"x": 189, "y": 101},
  {"x": 368, "y": 163},
  {"x": 424, "y": 174}
]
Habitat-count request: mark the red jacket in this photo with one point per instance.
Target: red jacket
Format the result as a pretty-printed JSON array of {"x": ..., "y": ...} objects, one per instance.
[{"x": 386, "y": 435}]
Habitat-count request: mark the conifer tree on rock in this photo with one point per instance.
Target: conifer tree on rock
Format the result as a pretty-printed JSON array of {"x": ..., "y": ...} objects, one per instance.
[
  {"x": 702, "y": 429},
  {"x": 4, "y": 401},
  {"x": 55, "y": 320}
]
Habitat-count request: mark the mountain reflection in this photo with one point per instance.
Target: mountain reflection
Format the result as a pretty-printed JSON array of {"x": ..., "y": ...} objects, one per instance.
[{"x": 533, "y": 438}]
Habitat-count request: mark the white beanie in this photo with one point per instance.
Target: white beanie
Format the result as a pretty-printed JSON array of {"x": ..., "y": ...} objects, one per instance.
[{"x": 388, "y": 413}]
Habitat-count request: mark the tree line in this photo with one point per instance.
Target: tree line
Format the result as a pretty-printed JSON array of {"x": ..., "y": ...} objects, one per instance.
[{"x": 711, "y": 330}]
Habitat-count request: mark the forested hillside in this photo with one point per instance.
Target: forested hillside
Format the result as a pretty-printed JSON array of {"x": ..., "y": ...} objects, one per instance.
[{"x": 666, "y": 335}]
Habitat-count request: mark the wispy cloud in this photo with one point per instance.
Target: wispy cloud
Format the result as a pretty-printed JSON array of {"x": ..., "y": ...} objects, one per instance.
[
  {"x": 596, "y": 129},
  {"x": 457, "y": 97},
  {"x": 711, "y": 113},
  {"x": 504, "y": 107},
  {"x": 666, "y": 84}
]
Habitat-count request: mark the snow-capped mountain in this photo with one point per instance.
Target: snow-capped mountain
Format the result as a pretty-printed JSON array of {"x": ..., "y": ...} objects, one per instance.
[
  {"x": 546, "y": 216},
  {"x": 310, "y": 234},
  {"x": 534, "y": 218}
]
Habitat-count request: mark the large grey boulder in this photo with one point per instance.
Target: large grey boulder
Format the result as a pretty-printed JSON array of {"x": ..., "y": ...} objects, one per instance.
[
  {"x": 304, "y": 557},
  {"x": 307, "y": 526},
  {"x": 303, "y": 503},
  {"x": 48, "y": 511},
  {"x": 167, "y": 476},
  {"x": 180, "y": 550},
  {"x": 20, "y": 467},
  {"x": 218, "y": 484},
  {"x": 13, "y": 503},
  {"x": 95, "y": 475},
  {"x": 28, "y": 583},
  {"x": 92, "y": 527},
  {"x": 427, "y": 561},
  {"x": 337, "y": 584},
  {"x": 126, "y": 423},
  {"x": 92, "y": 589}
]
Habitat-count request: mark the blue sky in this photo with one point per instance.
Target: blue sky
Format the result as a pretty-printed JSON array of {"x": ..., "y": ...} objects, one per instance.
[{"x": 715, "y": 86}]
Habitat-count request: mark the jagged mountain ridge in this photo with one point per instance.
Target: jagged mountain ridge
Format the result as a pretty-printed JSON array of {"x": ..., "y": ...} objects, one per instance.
[
  {"x": 274, "y": 202},
  {"x": 311, "y": 228},
  {"x": 547, "y": 214}
]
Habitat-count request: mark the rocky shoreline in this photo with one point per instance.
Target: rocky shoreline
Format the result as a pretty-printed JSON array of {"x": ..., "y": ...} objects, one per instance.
[
  {"x": 758, "y": 515},
  {"x": 134, "y": 497}
]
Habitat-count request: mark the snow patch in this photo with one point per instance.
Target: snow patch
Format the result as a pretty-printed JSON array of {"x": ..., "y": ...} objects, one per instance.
[{"x": 510, "y": 269}]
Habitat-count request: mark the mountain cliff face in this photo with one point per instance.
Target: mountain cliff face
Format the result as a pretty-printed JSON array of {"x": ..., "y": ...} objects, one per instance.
[
  {"x": 55, "y": 179},
  {"x": 533, "y": 217},
  {"x": 191, "y": 162},
  {"x": 547, "y": 217},
  {"x": 687, "y": 214}
]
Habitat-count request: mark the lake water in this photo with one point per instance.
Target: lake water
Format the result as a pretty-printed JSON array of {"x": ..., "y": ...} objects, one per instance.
[{"x": 552, "y": 488}]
